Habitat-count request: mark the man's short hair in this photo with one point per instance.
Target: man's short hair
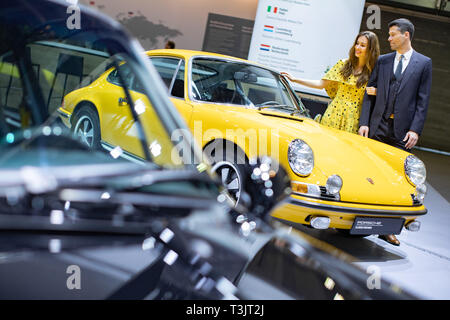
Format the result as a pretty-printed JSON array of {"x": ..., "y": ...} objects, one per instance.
[
  {"x": 403, "y": 25},
  {"x": 171, "y": 44}
]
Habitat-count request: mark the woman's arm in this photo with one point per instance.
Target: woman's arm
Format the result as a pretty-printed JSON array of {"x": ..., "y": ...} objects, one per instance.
[{"x": 316, "y": 84}]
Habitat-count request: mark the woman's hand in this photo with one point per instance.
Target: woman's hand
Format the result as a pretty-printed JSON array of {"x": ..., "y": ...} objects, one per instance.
[
  {"x": 287, "y": 75},
  {"x": 371, "y": 91}
]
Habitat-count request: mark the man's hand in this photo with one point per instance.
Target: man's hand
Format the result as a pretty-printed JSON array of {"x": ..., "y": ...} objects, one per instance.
[
  {"x": 364, "y": 131},
  {"x": 371, "y": 91},
  {"x": 411, "y": 139}
]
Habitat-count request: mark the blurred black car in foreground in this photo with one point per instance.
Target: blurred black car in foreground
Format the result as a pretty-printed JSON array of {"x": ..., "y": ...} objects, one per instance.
[{"x": 100, "y": 223}]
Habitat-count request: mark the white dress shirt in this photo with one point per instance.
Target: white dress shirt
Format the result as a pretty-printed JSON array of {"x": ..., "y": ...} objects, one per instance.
[{"x": 406, "y": 59}]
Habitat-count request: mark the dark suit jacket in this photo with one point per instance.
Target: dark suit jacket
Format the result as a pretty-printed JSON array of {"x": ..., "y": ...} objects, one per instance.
[{"x": 412, "y": 100}]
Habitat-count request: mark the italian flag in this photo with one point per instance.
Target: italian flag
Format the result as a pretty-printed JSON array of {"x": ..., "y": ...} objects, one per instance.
[{"x": 269, "y": 9}]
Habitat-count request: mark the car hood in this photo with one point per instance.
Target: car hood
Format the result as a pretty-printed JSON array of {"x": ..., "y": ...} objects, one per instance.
[{"x": 366, "y": 166}]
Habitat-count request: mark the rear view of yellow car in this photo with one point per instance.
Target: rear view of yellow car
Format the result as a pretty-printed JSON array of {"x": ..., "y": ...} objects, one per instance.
[
  {"x": 238, "y": 110},
  {"x": 100, "y": 116}
]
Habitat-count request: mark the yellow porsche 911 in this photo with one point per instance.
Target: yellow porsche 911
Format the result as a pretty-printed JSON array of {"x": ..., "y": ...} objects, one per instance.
[{"x": 238, "y": 110}]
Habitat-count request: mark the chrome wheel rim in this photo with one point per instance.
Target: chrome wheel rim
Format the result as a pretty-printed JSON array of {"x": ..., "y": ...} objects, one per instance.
[
  {"x": 230, "y": 178},
  {"x": 84, "y": 130}
]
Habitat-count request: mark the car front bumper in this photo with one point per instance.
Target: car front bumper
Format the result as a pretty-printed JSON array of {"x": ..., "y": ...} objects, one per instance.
[{"x": 300, "y": 209}]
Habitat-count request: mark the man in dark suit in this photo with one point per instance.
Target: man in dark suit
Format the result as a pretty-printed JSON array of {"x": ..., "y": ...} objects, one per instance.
[{"x": 396, "y": 114}]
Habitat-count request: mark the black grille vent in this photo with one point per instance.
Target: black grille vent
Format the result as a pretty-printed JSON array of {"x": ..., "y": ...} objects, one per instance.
[
  {"x": 324, "y": 194},
  {"x": 415, "y": 201}
]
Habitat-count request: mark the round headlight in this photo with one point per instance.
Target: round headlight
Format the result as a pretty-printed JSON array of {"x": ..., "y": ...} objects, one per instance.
[
  {"x": 334, "y": 184},
  {"x": 415, "y": 170},
  {"x": 300, "y": 157}
]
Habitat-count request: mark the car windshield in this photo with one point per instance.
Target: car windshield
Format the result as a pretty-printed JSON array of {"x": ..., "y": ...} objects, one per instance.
[
  {"x": 232, "y": 82},
  {"x": 78, "y": 102}
]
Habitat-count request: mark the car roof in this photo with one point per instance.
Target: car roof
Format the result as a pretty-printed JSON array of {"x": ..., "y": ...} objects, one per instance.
[{"x": 188, "y": 54}]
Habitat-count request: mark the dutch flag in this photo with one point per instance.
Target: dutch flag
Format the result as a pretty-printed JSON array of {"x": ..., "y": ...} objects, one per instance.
[{"x": 264, "y": 47}]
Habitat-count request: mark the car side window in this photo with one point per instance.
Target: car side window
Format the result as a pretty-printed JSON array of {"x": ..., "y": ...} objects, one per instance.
[
  {"x": 178, "y": 83},
  {"x": 166, "y": 68},
  {"x": 11, "y": 91},
  {"x": 126, "y": 73},
  {"x": 204, "y": 76}
]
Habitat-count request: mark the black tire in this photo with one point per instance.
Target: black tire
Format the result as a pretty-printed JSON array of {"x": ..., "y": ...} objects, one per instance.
[
  {"x": 346, "y": 233},
  {"x": 86, "y": 127},
  {"x": 227, "y": 161}
]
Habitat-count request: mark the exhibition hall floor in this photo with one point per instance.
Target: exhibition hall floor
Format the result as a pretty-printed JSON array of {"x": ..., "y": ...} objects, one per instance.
[{"x": 421, "y": 264}]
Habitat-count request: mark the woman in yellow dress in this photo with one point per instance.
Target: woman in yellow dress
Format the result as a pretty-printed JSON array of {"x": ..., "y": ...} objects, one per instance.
[{"x": 345, "y": 83}]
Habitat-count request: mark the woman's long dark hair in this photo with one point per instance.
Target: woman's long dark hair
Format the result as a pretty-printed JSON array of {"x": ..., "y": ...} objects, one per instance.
[{"x": 373, "y": 51}]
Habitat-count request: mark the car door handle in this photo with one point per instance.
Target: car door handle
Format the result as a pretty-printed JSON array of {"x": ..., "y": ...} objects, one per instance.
[{"x": 123, "y": 101}]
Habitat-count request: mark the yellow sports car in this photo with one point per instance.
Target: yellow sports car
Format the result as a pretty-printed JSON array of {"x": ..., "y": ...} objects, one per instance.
[{"x": 238, "y": 110}]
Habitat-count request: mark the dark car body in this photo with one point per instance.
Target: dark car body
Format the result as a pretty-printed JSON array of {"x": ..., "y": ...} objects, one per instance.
[{"x": 77, "y": 223}]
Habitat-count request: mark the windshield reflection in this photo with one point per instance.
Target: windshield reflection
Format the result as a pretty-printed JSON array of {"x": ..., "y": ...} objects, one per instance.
[
  {"x": 229, "y": 82},
  {"x": 84, "y": 109}
]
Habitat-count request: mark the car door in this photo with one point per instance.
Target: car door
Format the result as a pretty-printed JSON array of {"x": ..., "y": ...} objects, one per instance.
[
  {"x": 158, "y": 138},
  {"x": 218, "y": 111},
  {"x": 118, "y": 124}
]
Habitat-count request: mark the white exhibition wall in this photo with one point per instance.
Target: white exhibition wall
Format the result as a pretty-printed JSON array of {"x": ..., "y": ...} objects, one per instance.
[{"x": 304, "y": 37}]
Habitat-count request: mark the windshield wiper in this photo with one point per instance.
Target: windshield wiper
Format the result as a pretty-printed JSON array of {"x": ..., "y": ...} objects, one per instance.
[
  {"x": 283, "y": 107},
  {"x": 297, "y": 112},
  {"x": 274, "y": 105}
]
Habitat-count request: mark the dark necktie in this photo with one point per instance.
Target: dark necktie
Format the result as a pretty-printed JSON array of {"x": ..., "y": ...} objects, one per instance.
[{"x": 398, "y": 71}]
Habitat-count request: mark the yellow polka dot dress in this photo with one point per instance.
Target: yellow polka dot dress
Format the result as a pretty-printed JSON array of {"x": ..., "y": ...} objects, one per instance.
[{"x": 344, "y": 110}]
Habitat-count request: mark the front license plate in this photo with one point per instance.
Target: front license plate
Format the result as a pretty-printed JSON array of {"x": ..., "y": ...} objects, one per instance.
[{"x": 364, "y": 225}]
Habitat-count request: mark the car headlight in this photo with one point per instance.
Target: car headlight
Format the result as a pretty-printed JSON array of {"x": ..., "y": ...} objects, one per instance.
[
  {"x": 300, "y": 157},
  {"x": 415, "y": 170}
]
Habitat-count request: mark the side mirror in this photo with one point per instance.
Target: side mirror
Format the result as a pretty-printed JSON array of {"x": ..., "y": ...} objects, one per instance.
[
  {"x": 245, "y": 76},
  {"x": 266, "y": 184}
]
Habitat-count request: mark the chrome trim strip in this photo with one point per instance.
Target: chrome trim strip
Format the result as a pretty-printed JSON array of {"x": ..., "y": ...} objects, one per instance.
[
  {"x": 341, "y": 201},
  {"x": 175, "y": 75},
  {"x": 125, "y": 155},
  {"x": 348, "y": 210},
  {"x": 13, "y": 122},
  {"x": 433, "y": 150},
  {"x": 73, "y": 48},
  {"x": 336, "y": 198}
]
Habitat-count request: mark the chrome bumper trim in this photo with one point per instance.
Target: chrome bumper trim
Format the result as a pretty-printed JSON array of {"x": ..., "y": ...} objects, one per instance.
[
  {"x": 348, "y": 210},
  {"x": 63, "y": 114}
]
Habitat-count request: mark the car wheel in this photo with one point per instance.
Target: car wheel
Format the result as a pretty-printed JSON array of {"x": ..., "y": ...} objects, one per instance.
[
  {"x": 86, "y": 127},
  {"x": 226, "y": 163}
]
